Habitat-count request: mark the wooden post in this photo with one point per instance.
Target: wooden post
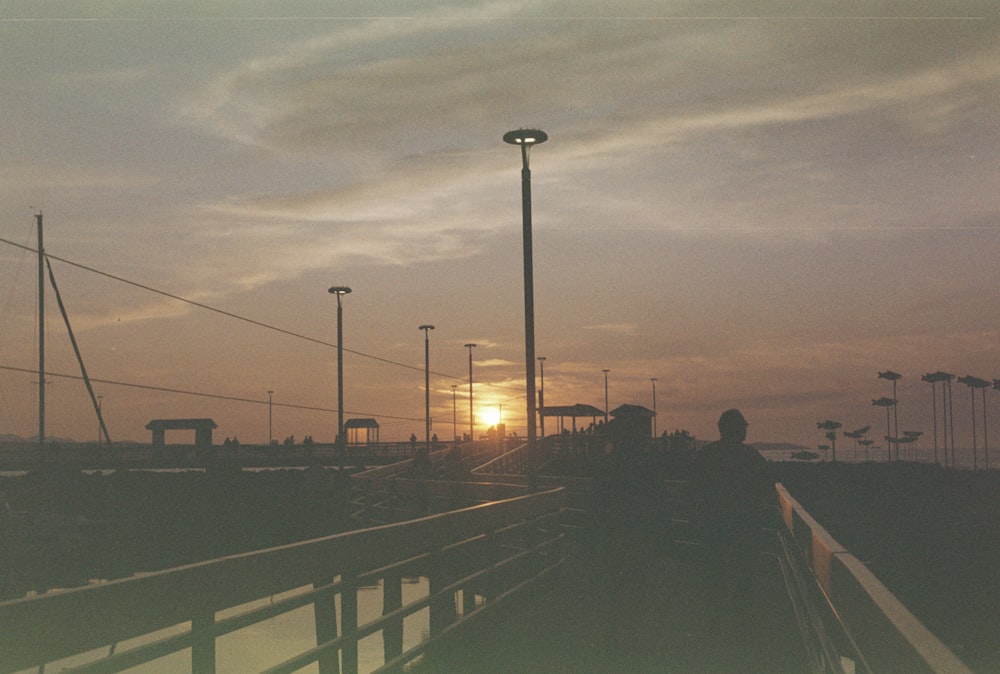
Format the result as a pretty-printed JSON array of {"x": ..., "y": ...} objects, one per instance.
[
  {"x": 392, "y": 599},
  {"x": 325, "y": 617},
  {"x": 203, "y": 641},
  {"x": 349, "y": 622},
  {"x": 442, "y": 608}
]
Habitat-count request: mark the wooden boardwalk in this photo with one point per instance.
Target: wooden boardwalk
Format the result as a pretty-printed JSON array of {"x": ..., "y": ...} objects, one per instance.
[{"x": 621, "y": 605}]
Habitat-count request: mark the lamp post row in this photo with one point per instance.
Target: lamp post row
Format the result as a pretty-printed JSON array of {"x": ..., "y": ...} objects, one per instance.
[{"x": 525, "y": 139}]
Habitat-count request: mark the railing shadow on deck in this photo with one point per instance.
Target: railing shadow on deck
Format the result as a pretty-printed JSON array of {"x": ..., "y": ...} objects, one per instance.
[{"x": 473, "y": 557}]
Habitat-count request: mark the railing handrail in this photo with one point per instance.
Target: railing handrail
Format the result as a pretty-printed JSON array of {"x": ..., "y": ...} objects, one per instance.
[
  {"x": 890, "y": 637},
  {"x": 59, "y": 624}
]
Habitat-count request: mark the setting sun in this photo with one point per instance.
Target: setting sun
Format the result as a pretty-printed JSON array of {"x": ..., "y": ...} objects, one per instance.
[{"x": 489, "y": 416}]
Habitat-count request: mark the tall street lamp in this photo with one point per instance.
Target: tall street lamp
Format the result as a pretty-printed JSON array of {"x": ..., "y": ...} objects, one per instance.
[
  {"x": 340, "y": 291},
  {"x": 605, "y": 396},
  {"x": 454, "y": 412},
  {"x": 525, "y": 138},
  {"x": 472, "y": 433},
  {"x": 541, "y": 395},
  {"x": 427, "y": 382}
]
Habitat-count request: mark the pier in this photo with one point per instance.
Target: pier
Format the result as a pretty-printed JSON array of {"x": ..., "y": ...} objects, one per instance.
[{"x": 521, "y": 576}]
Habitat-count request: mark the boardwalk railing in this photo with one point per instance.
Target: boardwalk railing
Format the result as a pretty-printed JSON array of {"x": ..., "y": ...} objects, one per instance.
[
  {"x": 473, "y": 558},
  {"x": 888, "y": 637}
]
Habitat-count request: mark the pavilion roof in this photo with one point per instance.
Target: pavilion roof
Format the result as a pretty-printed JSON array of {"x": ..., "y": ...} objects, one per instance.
[
  {"x": 577, "y": 410},
  {"x": 360, "y": 423}
]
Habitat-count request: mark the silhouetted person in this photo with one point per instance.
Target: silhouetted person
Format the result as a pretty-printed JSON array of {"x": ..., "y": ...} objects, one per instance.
[
  {"x": 421, "y": 467},
  {"x": 733, "y": 493}
]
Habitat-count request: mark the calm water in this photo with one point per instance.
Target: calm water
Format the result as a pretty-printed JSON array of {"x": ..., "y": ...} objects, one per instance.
[
  {"x": 271, "y": 642},
  {"x": 918, "y": 452}
]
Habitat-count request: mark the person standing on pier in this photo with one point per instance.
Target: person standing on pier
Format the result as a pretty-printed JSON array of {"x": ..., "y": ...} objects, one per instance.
[{"x": 734, "y": 493}]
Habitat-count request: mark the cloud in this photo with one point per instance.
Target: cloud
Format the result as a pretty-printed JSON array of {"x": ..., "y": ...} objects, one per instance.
[
  {"x": 613, "y": 328},
  {"x": 493, "y": 362}
]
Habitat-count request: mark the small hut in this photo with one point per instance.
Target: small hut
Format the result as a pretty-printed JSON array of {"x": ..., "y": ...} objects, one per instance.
[
  {"x": 353, "y": 428},
  {"x": 631, "y": 426}
]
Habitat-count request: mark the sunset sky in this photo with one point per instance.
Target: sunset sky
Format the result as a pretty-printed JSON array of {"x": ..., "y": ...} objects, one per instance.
[{"x": 761, "y": 204}]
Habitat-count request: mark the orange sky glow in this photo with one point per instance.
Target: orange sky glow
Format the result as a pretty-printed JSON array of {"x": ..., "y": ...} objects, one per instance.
[{"x": 761, "y": 209}]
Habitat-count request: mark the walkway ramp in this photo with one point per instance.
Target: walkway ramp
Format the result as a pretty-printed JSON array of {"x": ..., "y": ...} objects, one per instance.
[{"x": 621, "y": 605}]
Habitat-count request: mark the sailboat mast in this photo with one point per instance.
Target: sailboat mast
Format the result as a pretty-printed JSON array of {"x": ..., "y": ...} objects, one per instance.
[{"x": 41, "y": 333}]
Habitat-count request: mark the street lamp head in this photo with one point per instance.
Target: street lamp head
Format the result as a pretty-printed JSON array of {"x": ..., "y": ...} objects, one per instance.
[
  {"x": 339, "y": 290},
  {"x": 470, "y": 346},
  {"x": 525, "y": 137},
  {"x": 426, "y": 327}
]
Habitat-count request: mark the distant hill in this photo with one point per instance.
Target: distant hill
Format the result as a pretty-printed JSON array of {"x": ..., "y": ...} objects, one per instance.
[
  {"x": 10, "y": 438},
  {"x": 777, "y": 447}
]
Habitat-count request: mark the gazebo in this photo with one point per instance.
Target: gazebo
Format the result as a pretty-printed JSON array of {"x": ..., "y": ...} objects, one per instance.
[
  {"x": 202, "y": 430},
  {"x": 353, "y": 428},
  {"x": 572, "y": 411}
]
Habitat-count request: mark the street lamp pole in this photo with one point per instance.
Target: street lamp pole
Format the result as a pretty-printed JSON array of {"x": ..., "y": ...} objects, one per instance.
[
  {"x": 340, "y": 291},
  {"x": 454, "y": 412},
  {"x": 525, "y": 138},
  {"x": 541, "y": 395},
  {"x": 472, "y": 434},
  {"x": 427, "y": 383},
  {"x": 605, "y": 396}
]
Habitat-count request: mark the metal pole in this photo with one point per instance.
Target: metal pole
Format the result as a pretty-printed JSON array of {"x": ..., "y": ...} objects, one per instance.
[
  {"x": 454, "y": 412},
  {"x": 986, "y": 441},
  {"x": 951, "y": 415},
  {"x": 605, "y": 396},
  {"x": 340, "y": 291},
  {"x": 934, "y": 418},
  {"x": 895, "y": 418},
  {"x": 41, "y": 332},
  {"x": 529, "y": 294},
  {"x": 340, "y": 374},
  {"x": 270, "y": 427},
  {"x": 541, "y": 395},
  {"x": 427, "y": 383},
  {"x": 472, "y": 433},
  {"x": 653, "y": 379}
]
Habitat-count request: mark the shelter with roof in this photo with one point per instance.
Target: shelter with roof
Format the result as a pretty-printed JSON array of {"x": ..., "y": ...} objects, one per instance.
[
  {"x": 353, "y": 428},
  {"x": 579, "y": 410},
  {"x": 202, "y": 430},
  {"x": 631, "y": 425}
]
